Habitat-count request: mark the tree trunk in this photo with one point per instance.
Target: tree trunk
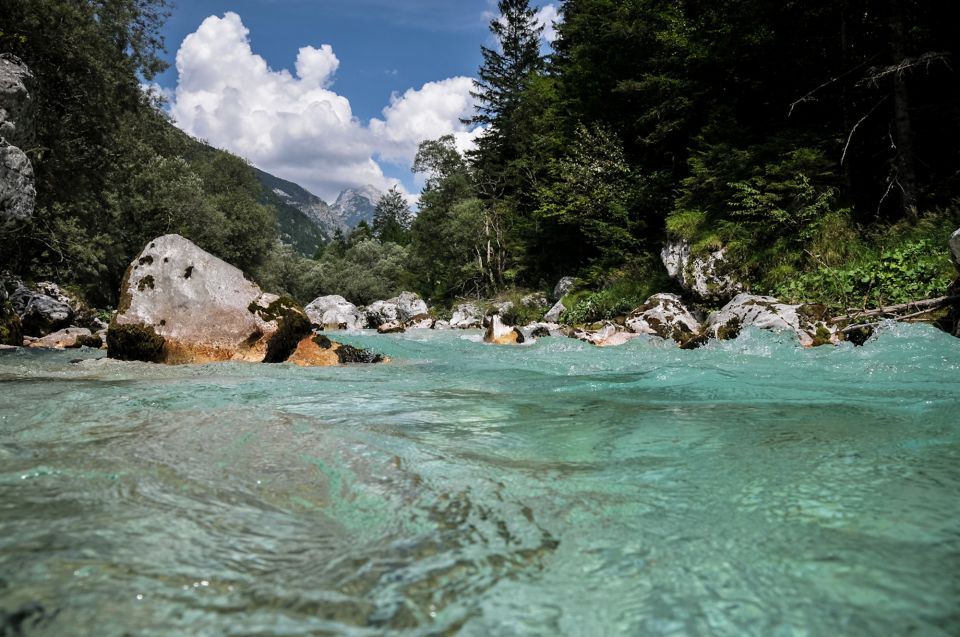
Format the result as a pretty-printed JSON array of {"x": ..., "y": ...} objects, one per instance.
[{"x": 903, "y": 126}]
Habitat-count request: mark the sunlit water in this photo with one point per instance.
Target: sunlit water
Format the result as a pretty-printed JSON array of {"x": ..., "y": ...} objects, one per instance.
[{"x": 748, "y": 488}]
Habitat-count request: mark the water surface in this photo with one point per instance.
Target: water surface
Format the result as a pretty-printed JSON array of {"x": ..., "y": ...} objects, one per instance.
[{"x": 748, "y": 488}]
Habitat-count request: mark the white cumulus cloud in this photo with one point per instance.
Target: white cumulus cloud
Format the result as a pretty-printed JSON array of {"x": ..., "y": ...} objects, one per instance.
[
  {"x": 295, "y": 125},
  {"x": 547, "y": 17}
]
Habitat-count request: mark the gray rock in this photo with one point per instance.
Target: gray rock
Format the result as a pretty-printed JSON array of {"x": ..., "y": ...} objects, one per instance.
[
  {"x": 955, "y": 247},
  {"x": 536, "y": 300},
  {"x": 420, "y": 324},
  {"x": 410, "y": 306},
  {"x": 441, "y": 325},
  {"x": 180, "y": 304},
  {"x": 807, "y": 322},
  {"x": 610, "y": 335},
  {"x": 534, "y": 331},
  {"x": 335, "y": 312},
  {"x": 391, "y": 327},
  {"x": 403, "y": 309},
  {"x": 666, "y": 316},
  {"x": 17, "y": 192},
  {"x": 502, "y": 307},
  {"x": 562, "y": 287},
  {"x": 703, "y": 276},
  {"x": 466, "y": 316},
  {"x": 16, "y": 101},
  {"x": 553, "y": 315},
  {"x": 63, "y": 339},
  {"x": 39, "y": 313}
]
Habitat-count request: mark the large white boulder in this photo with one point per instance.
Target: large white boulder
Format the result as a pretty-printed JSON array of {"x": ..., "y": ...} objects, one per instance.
[
  {"x": 180, "y": 304},
  {"x": 807, "y": 322},
  {"x": 334, "y": 312}
]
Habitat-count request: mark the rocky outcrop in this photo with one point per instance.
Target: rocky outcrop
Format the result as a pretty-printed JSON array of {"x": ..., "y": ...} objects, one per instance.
[
  {"x": 500, "y": 333},
  {"x": 666, "y": 316},
  {"x": 705, "y": 276},
  {"x": 320, "y": 351},
  {"x": 180, "y": 304},
  {"x": 335, "y": 313},
  {"x": 808, "y": 322},
  {"x": 17, "y": 191},
  {"x": 466, "y": 316},
  {"x": 563, "y": 287}
]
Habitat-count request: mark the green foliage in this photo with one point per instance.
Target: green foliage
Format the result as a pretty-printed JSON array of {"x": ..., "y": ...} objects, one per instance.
[
  {"x": 594, "y": 192},
  {"x": 914, "y": 270},
  {"x": 392, "y": 218},
  {"x": 622, "y": 291}
]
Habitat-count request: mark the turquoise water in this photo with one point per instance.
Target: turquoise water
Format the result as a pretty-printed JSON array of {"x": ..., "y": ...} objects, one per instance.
[{"x": 748, "y": 488}]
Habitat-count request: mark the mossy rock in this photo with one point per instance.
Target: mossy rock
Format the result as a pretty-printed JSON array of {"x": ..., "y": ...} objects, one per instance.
[
  {"x": 10, "y": 332},
  {"x": 92, "y": 341},
  {"x": 134, "y": 343},
  {"x": 350, "y": 354},
  {"x": 292, "y": 325},
  {"x": 729, "y": 330}
]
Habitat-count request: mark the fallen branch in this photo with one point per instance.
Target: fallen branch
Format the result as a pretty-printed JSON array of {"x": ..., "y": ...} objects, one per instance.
[{"x": 919, "y": 308}]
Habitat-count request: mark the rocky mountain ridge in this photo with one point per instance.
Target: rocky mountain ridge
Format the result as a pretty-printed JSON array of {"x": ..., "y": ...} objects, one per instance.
[{"x": 306, "y": 220}]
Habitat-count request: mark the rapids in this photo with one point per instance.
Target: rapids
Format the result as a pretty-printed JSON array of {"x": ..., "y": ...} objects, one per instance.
[{"x": 748, "y": 488}]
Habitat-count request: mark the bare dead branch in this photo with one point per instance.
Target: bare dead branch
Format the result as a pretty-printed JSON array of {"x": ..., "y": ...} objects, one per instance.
[
  {"x": 874, "y": 75},
  {"x": 857, "y": 125}
]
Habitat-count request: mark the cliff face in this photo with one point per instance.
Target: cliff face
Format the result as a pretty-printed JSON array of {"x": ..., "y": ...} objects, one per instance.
[{"x": 17, "y": 192}]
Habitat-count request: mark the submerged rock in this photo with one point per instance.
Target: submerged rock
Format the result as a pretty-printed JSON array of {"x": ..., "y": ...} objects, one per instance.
[
  {"x": 180, "y": 304},
  {"x": 666, "y": 316},
  {"x": 334, "y": 312},
  {"x": 499, "y": 333},
  {"x": 706, "y": 276},
  {"x": 466, "y": 316},
  {"x": 808, "y": 322}
]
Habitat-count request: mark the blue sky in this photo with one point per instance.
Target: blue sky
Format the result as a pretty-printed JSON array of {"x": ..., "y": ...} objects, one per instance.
[{"x": 300, "y": 87}]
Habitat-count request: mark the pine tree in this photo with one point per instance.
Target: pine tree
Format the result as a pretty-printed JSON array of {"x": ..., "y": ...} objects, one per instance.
[
  {"x": 392, "y": 218},
  {"x": 505, "y": 72}
]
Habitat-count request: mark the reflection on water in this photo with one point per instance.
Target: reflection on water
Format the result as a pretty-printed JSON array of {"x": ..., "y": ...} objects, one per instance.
[{"x": 749, "y": 488}]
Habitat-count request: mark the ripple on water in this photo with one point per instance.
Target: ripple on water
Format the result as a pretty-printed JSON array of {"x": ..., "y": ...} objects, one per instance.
[{"x": 747, "y": 488}]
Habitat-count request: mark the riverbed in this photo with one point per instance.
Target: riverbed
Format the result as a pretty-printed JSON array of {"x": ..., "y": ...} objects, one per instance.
[{"x": 747, "y": 488}]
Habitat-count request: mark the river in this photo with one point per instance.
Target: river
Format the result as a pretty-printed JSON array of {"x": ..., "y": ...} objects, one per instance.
[{"x": 747, "y": 488}]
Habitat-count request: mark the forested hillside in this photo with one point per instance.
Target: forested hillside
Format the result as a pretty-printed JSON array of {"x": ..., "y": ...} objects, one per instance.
[
  {"x": 111, "y": 171},
  {"x": 814, "y": 145}
]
